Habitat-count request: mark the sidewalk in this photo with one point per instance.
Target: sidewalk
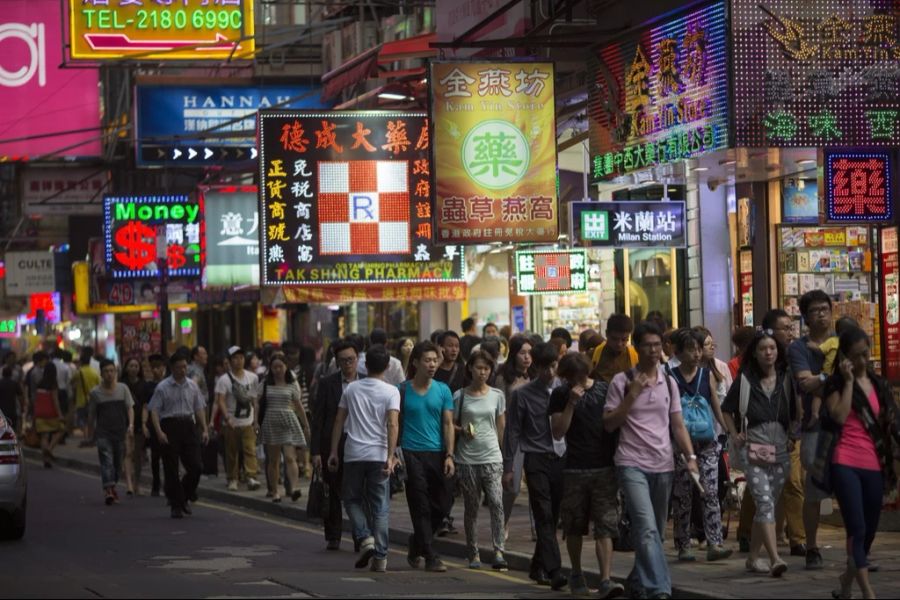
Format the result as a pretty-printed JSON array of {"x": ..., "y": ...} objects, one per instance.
[{"x": 724, "y": 579}]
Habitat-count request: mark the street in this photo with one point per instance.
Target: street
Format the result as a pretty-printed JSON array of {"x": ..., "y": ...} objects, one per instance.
[{"x": 77, "y": 547}]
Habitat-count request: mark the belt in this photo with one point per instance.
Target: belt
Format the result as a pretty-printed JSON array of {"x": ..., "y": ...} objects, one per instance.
[{"x": 178, "y": 418}]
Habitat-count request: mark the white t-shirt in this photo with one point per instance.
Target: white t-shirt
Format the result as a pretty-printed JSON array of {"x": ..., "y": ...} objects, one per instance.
[
  {"x": 249, "y": 382},
  {"x": 367, "y": 402}
]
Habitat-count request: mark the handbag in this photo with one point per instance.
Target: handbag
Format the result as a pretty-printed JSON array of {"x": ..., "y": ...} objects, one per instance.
[
  {"x": 317, "y": 502},
  {"x": 44, "y": 407},
  {"x": 737, "y": 453}
]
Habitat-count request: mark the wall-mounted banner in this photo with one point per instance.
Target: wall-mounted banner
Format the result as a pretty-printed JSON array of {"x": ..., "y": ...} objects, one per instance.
[
  {"x": 55, "y": 191},
  {"x": 661, "y": 96},
  {"x": 406, "y": 292},
  {"x": 29, "y": 273},
  {"x": 161, "y": 30},
  {"x": 816, "y": 73},
  {"x": 42, "y": 102},
  {"x": 551, "y": 271},
  {"x": 494, "y": 152},
  {"x": 232, "y": 237},
  {"x": 170, "y": 117},
  {"x": 858, "y": 186},
  {"x": 345, "y": 197},
  {"x": 628, "y": 224},
  {"x": 135, "y": 226}
]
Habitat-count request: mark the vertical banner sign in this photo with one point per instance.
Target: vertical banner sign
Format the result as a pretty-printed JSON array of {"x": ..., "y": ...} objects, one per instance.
[
  {"x": 232, "y": 237},
  {"x": 660, "y": 96},
  {"x": 161, "y": 30},
  {"x": 814, "y": 74},
  {"x": 746, "y": 283},
  {"x": 858, "y": 186},
  {"x": 345, "y": 198},
  {"x": 890, "y": 304},
  {"x": 551, "y": 272},
  {"x": 135, "y": 226},
  {"x": 494, "y": 152}
]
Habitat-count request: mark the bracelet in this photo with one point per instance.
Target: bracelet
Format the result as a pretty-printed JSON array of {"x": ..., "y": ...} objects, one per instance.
[{"x": 692, "y": 457}]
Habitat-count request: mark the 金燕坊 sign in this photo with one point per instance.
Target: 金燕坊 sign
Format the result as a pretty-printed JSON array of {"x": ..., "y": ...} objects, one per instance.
[
  {"x": 136, "y": 227},
  {"x": 232, "y": 237},
  {"x": 813, "y": 74},
  {"x": 160, "y": 30},
  {"x": 661, "y": 96},
  {"x": 858, "y": 186},
  {"x": 551, "y": 271},
  {"x": 628, "y": 224},
  {"x": 494, "y": 152},
  {"x": 345, "y": 197}
]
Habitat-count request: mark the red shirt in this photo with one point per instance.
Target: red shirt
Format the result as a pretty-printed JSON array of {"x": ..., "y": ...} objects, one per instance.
[{"x": 855, "y": 448}]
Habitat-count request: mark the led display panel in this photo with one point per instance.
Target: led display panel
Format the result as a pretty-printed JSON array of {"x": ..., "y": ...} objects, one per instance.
[
  {"x": 858, "y": 186},
  {"x": 551, "y": 271}
]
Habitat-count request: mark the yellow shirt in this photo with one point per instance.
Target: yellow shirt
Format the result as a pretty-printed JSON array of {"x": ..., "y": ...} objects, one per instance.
[
  {"x": 86, "y": 379},
  {"x": 830, "y": 349},
  {"x": 612, "y": 367}
]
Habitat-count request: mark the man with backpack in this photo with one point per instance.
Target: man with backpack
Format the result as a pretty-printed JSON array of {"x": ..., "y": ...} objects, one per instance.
[
  {"x": 236, "y": 396},
  {"x": 644, "y": 405}
]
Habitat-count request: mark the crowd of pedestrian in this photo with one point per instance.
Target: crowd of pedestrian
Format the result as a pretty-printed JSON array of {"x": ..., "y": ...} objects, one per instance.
[{"x": 612, "y": 438}]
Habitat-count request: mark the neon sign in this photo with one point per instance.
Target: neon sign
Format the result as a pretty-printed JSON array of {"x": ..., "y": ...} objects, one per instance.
[
  {"x": 132, "y": 226},
  {"x": 551, "y": 271},
  {"x": 858, "y": 186}
]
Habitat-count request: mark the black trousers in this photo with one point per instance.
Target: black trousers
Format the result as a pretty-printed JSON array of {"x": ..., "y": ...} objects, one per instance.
[
  {"x": 429, "y": 496},
  {"x": 155, "y": 456},
  {"x": 334, "y": 520},
  {"x": 184, "y": 445},
  {"x": 544, "y": 473}
]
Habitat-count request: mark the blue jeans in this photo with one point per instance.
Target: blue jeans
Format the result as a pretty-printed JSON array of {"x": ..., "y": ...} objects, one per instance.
[
  {"x": 111, "y": 452},
  {"x": 365, "y": 484},
  {"x": 647, "y": 501}
]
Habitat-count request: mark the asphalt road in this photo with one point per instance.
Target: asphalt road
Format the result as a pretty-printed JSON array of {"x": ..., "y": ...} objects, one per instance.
[{"x": 76, "y": 547}]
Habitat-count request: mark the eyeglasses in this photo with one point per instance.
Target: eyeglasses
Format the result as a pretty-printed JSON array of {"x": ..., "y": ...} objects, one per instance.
[{"x": 347, "y": 360}]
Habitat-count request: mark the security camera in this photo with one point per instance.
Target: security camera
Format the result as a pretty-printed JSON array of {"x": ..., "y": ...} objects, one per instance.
[{"x": 713, "y": 184}]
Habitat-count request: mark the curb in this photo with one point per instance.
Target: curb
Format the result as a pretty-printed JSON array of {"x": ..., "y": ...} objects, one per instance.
[{"x": 398, "y": 537}]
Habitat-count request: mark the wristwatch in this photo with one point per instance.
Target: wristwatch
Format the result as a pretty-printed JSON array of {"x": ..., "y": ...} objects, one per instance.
[
  {"x": 448, "y": 455},
  {"x": 692, "y": 457},
  {"x": 823, "y": 377}
]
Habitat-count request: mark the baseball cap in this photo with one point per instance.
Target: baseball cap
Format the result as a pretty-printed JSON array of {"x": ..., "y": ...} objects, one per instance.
[{"x": 235, "y": 350}]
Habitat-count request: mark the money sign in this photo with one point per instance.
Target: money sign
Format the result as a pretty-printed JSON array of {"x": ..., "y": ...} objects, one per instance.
[
  {"x": 139, "y": 242},
  {"x": 175, "y": 256}
]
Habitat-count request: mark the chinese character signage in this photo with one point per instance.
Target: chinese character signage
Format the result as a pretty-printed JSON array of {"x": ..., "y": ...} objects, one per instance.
[
  {"x": 628, "y": 224},
  {"x": 494, "y": 152},
  {"x": 29, "y": 273},
  {"x": 551, "y": 271},
  {"x": 55, "y": 191},
  {"x": 40, "y": 100},
  {"x": 858, "y": 186},
  {"x": 816, "y": 73},
  {"x": 160, "y": 30},
  {"x": 170, "y": 119},
  {"x": 890, "y": 303},
  {"x": 232, "y": 237},
  {"x": 135, "y": 227},
  {"x": 9, "y": 328},
  {"x": 661, "y": 96},
  {"x": 345, "y": 197}
]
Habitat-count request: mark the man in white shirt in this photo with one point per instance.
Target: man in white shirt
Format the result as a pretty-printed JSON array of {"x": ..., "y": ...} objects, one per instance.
[
  {"x": 369, "y": 415},
  {"x": 394, "y": 374},
  {"x": 236, "y": 395}
]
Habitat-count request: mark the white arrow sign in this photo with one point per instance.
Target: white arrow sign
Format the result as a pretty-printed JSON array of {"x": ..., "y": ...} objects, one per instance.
[
  {"x": 207, "y": 153},
  {"x": 176, "y": 154},
  {"x": 191, "y": 153},
  {"x": 253, "y": 153}
]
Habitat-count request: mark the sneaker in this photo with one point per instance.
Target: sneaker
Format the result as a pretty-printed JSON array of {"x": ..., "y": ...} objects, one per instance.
[
  {"x": 798, "y": 550},
  {"x": 558, "y": 581},
  {"x": 778, "y": 568},
  {"x": 814, "y": 560},
  {"x": 474, "y": 561},
  {"x": 743, "y": 545},
  {"x": 756, "y": 566},
  {"x": 253, "y": 484},
  {"x": 686, "y": 555},
  {"x": 610, "y": 589},
  {"x": 499, "y": 563},
  {"x": 435, "y": 565},
  {"x": 379, "y": 565},
  {"x": 232, "y": 486},
  {"x": 367, "y": 551},
  {"x": 714, "y": 553},
  {"x": 578, "y": 586},
  {"x": 540, "y": 577},
  {"x": 414, "y": 560}
]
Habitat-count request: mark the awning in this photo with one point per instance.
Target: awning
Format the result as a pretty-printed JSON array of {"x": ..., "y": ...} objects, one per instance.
[{"x": 365, "y": 65}]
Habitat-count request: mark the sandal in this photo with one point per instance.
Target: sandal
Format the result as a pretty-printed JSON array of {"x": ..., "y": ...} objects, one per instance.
[{"x": 843, "y": 591}]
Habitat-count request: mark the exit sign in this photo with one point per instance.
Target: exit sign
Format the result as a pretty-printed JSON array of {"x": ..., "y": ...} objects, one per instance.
[
  {"x": 9, "y": 328},
  {"x": 595, "y": 225}
]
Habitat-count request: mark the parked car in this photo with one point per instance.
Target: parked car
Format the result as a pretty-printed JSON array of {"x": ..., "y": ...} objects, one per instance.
[{"x": 13, "y": 483}]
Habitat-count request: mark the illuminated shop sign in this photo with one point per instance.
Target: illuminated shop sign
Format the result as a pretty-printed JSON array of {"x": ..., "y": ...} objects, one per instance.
[
  {"x": 816, "y": 73},
  {"x": 661, "y": 96},
  {"x": 628, "y": 224},
  {"x": 858, "y": 186},
  {"x": 345, "y": 197},
  {"x": 494, "y": 152},
  {"x": 135, "y": 226},
  {"x": 9, "y": 328},
  {"x": 551, "y": 271},
  {"x": 161, "y": 29},
  {"x": 232, "y": 237}
]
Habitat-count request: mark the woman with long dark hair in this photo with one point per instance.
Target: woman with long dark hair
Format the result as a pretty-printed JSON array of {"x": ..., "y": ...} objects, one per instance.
[
  {"x": 859, "y": 412},
  {"x": 49, "y": 420},
  {"x": 758, "y": 412},
  {"x": 132, "y": 376}
]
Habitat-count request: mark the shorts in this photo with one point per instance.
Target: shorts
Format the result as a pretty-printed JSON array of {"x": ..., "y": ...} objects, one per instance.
[
  {"x": 590, "y": 496},
  {"x": 811, "y": 492}
]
